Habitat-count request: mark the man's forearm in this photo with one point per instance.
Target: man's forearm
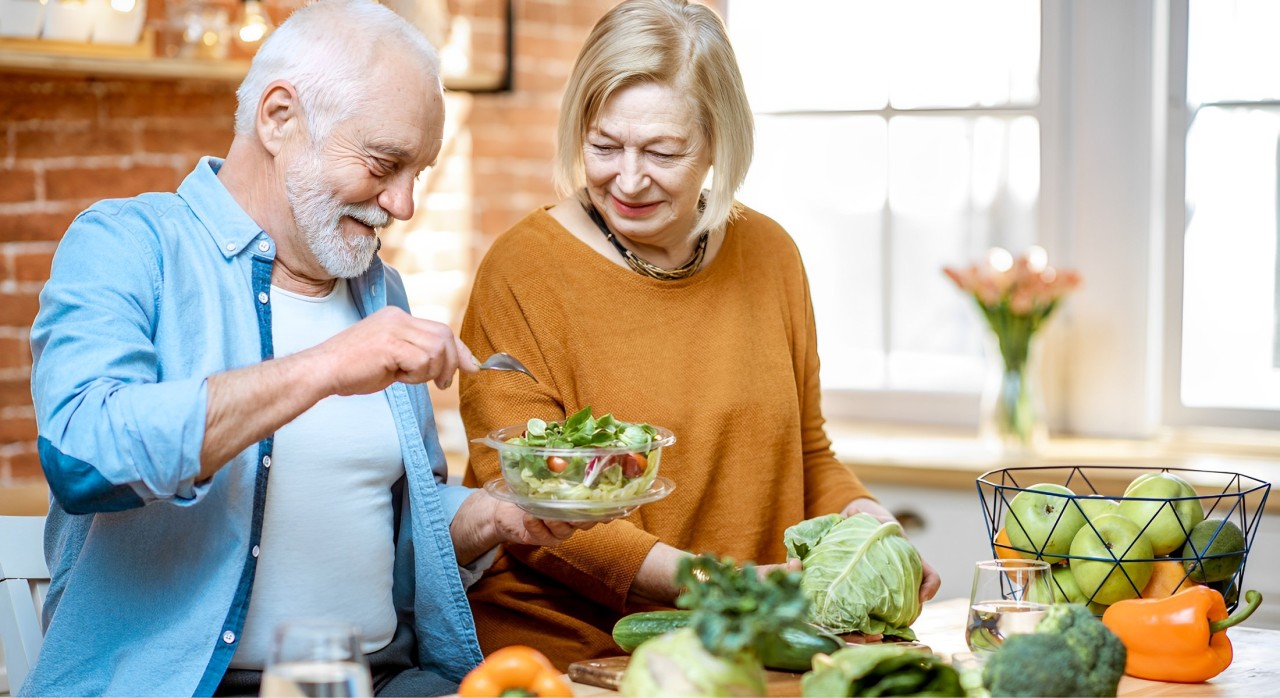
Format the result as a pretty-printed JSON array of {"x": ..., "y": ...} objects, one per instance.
[
  {"x": 245, "y": 405},
  {"x": 473, "y": 529}
]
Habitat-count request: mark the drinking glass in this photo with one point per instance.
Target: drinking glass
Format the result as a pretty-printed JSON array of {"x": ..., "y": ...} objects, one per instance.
[
  {"x": 1008, "y": 597},
  {"x": 316, "y": 659}
]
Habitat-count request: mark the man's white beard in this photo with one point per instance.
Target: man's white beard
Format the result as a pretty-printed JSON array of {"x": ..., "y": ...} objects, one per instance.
[{"x": 318, "y": 214}]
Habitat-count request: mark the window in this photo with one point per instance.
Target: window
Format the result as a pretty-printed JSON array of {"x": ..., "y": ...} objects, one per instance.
[
  {"x": 893, "y": 138},
  {"x": 1224, "y": 329}
]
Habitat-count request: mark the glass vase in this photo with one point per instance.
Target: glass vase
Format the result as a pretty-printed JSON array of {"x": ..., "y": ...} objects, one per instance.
[{"x": 1012, "y": 410}]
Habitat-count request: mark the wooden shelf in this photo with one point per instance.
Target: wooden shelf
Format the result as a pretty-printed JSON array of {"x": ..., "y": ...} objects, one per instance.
[
  {"x": 141, "y": 68},
  {"x": 138, "y": 60},
  {"x": 227, "y": 70}
]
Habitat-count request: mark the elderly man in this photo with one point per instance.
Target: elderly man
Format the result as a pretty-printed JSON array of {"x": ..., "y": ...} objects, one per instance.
[{"x": 231, "y": 396}]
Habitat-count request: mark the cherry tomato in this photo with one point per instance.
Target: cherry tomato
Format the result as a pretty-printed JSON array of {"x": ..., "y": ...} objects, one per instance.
[
  {"x": 556, "y": 464},
  {"x": 634, "y": 465}
]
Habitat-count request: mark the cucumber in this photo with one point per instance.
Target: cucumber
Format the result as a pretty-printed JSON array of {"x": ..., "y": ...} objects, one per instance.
[
  {"x": 794, "y": 647},
  {"x": 634, "y": 629},
  {"x": 790, "y": 650}
]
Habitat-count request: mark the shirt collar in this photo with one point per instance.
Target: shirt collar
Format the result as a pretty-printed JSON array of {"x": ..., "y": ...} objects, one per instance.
[{"x": 231, "y": 228}]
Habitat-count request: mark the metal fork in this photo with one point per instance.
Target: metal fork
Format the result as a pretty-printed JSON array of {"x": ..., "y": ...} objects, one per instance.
[{"x": 502, "y": 361}]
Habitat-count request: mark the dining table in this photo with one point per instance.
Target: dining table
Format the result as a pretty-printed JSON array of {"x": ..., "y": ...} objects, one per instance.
[{"x": 1254, "y": 671}]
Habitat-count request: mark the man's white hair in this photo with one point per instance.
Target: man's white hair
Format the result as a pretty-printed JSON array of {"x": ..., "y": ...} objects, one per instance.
[{"x": 326, "y": 50}]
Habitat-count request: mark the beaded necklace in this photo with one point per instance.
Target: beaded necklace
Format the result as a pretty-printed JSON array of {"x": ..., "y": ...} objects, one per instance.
[{"x": 643, "y": 267}]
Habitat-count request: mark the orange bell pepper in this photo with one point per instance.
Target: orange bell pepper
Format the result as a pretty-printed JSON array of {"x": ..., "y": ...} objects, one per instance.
[
  {"x": 1180, "y": 638},
  {"x": 515, "y": 671}
]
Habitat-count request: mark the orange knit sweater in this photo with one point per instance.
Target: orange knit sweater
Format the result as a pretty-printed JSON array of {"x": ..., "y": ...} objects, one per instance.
[{"x": 726, "y": 359}]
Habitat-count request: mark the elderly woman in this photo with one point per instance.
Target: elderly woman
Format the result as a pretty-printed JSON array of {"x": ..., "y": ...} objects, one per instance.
[{"x": 642, "y": 295}]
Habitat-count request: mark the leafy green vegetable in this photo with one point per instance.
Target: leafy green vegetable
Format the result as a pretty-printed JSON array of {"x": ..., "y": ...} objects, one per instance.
[
  {"x": 860, "y": 574},
  {"x": 881, "y": 670},
  {"x": 735, "y": 612}
]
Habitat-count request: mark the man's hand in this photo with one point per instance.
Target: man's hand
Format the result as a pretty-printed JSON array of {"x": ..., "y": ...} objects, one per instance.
[
  {"x": 483, "y": 522},
  {"x": 246, "y": 404},
  {"x": 392, "y": 346},
  {"x": 515, "y": 525},
  {"x": 930, "y": 580}
]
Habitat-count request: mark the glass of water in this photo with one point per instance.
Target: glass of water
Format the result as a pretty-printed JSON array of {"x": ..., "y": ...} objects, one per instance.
[
  {"x": 316, "y": 659},
  {"x": 1008, "y": 597}
]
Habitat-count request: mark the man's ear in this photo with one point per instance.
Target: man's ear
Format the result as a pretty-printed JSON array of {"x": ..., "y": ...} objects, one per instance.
[{"x": 279, "y": 115}]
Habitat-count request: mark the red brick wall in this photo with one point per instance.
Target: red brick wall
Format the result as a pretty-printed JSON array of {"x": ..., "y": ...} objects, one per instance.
[{"x": 66, "y": 142}]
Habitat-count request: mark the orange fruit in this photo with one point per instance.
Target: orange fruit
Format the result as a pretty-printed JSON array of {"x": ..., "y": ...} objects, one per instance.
[
  {"x": 1168, "y": 577},
  {"x": 1004, "y": 549}
]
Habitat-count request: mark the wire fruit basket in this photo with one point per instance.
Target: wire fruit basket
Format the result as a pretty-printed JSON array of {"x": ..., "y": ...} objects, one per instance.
[{"x": 1058, "y": 518}]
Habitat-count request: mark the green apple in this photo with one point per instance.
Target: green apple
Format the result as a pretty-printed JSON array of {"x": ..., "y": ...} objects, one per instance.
[
  {"x": 1165, "y": 508},
  {"x": 1063, "y": 584},
  {"x": 1111, "y": 559},
  {"x": 1094, "y": 506},
  {"x": 1042, "y": 518}
]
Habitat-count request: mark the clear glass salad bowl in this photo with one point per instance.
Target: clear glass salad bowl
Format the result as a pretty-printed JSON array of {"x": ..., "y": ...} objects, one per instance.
[{"x": 580, "y": 482}]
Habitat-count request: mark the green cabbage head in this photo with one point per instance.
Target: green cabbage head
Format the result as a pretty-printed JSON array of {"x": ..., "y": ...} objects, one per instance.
[{"x": 861, "y": 575}]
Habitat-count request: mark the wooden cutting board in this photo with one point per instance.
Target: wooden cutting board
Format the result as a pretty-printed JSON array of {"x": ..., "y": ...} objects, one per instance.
[{"x": 607, "y": 673}]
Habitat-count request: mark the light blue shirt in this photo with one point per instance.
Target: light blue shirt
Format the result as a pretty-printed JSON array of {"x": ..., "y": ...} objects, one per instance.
[{"x": 151, "y": 571}]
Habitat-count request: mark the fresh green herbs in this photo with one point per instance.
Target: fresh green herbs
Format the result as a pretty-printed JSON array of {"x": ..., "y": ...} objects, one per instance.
[{"x": 735, "y": 611}]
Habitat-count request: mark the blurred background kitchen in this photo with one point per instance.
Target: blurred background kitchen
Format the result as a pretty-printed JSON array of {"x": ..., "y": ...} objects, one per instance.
[{"x": 1135, "y": 141}]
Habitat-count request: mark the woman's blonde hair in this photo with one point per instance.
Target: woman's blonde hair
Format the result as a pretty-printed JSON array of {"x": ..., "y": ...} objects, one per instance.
[{"x": 669, "y": 42}]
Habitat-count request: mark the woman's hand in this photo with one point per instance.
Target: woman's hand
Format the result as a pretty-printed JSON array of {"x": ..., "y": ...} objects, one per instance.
[
  {"x": 791, "y": 565},
  {"x": 930, "y": 581}
]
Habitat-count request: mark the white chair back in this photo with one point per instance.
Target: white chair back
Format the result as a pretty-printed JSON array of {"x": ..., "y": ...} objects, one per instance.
[{"x": 24, "y": 579}]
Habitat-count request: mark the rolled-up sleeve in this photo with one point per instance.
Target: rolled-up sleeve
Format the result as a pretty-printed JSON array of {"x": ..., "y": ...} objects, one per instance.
[{"x": 112, "y": 436}]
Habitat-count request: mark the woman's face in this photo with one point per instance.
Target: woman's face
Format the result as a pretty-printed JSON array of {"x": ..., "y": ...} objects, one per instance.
[{"x": 645, "y": 162}]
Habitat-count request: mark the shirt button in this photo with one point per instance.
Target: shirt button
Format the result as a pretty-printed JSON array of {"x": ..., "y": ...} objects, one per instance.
[
  {"x": 264, "y": 246},
  {"x": 228, "y": 637},
  {"x": 263, "y": 297},
  {"x": 266, "y": 461},
  {"x": 231, "y": 247},
  {"x": 255, "y": 551}
]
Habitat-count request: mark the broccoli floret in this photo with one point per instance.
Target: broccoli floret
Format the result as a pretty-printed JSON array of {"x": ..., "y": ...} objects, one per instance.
[
  {"x": 1100, "y": 651},
  {"x": 1070, "y": 654},
  {"x": 1033, "y": 665}
]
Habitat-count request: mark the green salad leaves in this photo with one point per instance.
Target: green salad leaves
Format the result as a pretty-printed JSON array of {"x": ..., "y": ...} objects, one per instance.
[
  {"x": 583, "y": 458},
  {"x": 581, "y": 430}
]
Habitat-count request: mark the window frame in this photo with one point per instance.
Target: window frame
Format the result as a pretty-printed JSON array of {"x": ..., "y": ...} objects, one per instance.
[{"x": 1179, "y": 118}]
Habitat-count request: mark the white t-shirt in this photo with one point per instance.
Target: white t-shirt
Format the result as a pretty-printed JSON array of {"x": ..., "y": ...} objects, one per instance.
[{"x": 327, "y": 548}]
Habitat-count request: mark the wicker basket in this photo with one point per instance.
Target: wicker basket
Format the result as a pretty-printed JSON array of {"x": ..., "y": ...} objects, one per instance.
[{"x": 1232, "y": 496}]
